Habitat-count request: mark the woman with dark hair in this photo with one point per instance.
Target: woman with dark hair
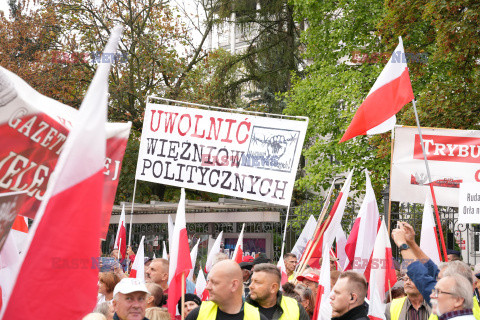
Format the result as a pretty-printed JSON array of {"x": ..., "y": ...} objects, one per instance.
[{"x": 192, "y": 301}]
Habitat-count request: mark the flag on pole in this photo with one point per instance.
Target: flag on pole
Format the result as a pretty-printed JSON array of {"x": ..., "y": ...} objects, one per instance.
[
  {"x": 164, "y": 251},
  {"x": 138, "y": 266},
  {"x": 428, "y": 235},
  {"x": 341, "y": 241},
  {"x": 72, "y": 207},
  {"x": 283, "y": 270},
  {"x": 386, "y": 98},
  {"x": 193, "y": 256},
  {"x": 200, "y": 286},
  {"x": 382, "y": 271},
  {"x": 376, "y": 307},
  {"x": 335, "y": 216},
  {"x": 121, "y": 238},
  {"x": 180, "y": 263},
  {"x": 213, "y": 252},
  {"x": 323, "y": 309},
  {"x": 305, "y": 236},
  {"x": 360, "y": 243},
  {"x": 238, "y": 253}
]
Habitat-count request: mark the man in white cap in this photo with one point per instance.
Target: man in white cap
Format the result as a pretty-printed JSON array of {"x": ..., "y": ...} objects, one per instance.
[{"x": 130, "y": 299}]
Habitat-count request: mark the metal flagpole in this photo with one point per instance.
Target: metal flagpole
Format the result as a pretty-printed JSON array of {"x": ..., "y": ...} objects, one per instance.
[
  {"x": 430, "y": 182},
  {"x": 285, "y": 232}
]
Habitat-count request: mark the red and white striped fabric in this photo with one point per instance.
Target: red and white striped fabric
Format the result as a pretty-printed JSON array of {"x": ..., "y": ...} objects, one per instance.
[
  {"x": 138, "y": 266},
  {"x": 386, "y": 98},
  {"x": 428, "y": 235},
  {"x": 238, "y": 253},
  {"x": 283, "y": 270},
  {"x": 200, "y": 286},
  {"x": 180, "y": 262},
  {"x": 382, "y": 273},
  {"x": 335, "y": 216},
  {"x": 323, "y": 309},
  {"x": 121, "y": 237},
  {"x": 72, "y": 208},
  {"x": 213, "y": 252},
  {"x": 361, "y": 240},
  {"x": 193, "y": 256},
  {"x": 19, "y": 232}
]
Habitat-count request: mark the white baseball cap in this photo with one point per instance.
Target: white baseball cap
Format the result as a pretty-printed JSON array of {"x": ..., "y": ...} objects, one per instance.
[{"x": 129, "y": 285}]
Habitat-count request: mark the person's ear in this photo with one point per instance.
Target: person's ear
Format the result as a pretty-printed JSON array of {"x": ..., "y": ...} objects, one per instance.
[
  {"x": 150, "y": 299},
  {"x": 459, "y": 302},
  {"x": 353, "y": 297}
]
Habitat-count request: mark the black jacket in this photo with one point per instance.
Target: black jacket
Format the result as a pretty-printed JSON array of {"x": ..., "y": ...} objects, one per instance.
[
  {"x": 357, "y": 313},
  {"x": 303, "y": 315}
]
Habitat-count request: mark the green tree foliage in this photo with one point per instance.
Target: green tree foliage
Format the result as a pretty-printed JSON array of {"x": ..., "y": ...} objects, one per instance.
[{"x": 333, "y": 87}]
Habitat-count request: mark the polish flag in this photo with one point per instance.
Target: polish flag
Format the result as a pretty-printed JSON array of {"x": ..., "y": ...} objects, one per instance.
[
  {"x": 138, "y": 266},
  {"x": 213, "y": 252},
  {"x": 72, "y": 208},
  {"x": 200, "y": 286},
  {"x": 180, "y": 262},
  {"x": 382, "y": 271},
  {"x": 323, "y": 309},
  {"x": 335, "y": 216},
  {"x": 283, "y": 270},
  {"x": 238, "y": 253},
  {"x": 164, "y": 252},
  {"x": 376, "y": 307},
  {"x": 121, "y": 238},
  {"x": 428, "y": 235},
  {"x": 386, "y": 98},
  {"x": 19, "y": 232},
  {"x": 360, "y": 243},
  {"x": 193, "y": 256},
  {"x": 307, "y": 234}
]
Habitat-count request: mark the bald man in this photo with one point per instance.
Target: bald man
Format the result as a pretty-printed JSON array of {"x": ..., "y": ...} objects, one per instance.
[{"x": 225, "y": 286}]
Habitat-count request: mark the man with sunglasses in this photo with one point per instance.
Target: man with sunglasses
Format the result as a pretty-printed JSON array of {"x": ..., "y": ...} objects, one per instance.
[
  {"x": 452, "y": 298},
  {"x": 411, "y": 307}
]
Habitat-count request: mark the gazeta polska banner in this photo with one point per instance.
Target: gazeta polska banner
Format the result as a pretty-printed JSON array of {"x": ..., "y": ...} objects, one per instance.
[
  {"x": 228, "y": 153},
  {"x": 453, "y": 157},
  {"x": 33, "y": 129}
]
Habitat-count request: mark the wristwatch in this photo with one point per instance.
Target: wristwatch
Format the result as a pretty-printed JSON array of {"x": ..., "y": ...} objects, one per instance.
[{"x": 404, "y": 247}]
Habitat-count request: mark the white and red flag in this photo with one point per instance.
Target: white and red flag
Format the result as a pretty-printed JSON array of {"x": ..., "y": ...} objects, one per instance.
[
  {"x": 428, "y": 235},
  {"x": 179, "y": 263},
  {"x": 283, "y": 270},
  {"x": 323, "y": 309},
  {"x": 341, "y": 241},
  {"x": 193, "y": 256},
  {"x": 307, "y": 234},
  {"x": 64, "y": 240},
  {"x": 386, "y": 98},
  {"x": 20, "y": 232},
  {"x": 213, "y": 252},
  {"x": 200, "y": 286},
  {"x": 382, "y": 272},
  {"x": 121, "y": 238},
  {"x": 138, "y": 266},
  {"x": 361, "y": 240},
  {"x": 238, "y": 252},
  {"x": 335, "y": 216}
]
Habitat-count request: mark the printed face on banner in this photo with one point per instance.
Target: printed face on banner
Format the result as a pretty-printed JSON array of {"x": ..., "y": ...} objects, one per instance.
[
  {"x": 9, "y": 205},
  {"x": 453, "y": 157},
  {"x": 227, "y": 153}
]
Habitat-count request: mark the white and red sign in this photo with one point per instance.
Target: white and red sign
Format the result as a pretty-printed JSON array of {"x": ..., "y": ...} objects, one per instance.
[
  {"x": 227, "y": 153},
  {"x": 33, "y": 129},
  {"x": 453, "y": 157}
]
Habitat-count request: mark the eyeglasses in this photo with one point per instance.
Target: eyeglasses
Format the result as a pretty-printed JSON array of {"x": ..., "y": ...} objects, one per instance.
[{"x": 436, "y": 291}]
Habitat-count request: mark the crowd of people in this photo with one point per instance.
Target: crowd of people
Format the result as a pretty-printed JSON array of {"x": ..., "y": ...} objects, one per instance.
[{"x": 252, "y": 289}]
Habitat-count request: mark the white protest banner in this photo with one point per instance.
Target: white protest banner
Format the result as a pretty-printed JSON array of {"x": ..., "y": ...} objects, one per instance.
[
  {"x": 469, "y": 203},
  {"x": 228, "y": 153},
  {"x": 453, "y": 157},
  {"x": 33, "y": 129},
  {"x": 9, "y": 205}
]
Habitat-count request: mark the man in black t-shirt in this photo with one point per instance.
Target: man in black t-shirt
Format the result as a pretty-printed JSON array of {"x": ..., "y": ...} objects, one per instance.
[{"x": 225, "y": 287}]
